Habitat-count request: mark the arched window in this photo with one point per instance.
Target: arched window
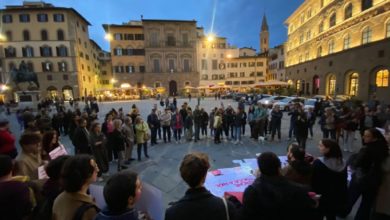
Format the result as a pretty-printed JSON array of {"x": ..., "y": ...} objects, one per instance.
[
  {"x": 118, "y": 51},
  {"x": 321, "y": 27},
  {"x": 331, "y": 47},
  {"x": 332, "y": 20},
  {"x": 332, "y": 85},
  {"x": 26, "y": 35},
  {"x": 10, "y": 52},
  {"x": 388, "y": 29},
  {"x": 28, "y": 51},
  {"x": 347, "y": 42},
  {"x": 60, "y": 35},
  {"x": 382, "y": 78},
  {"x": 366, "y": 35},
  {"x": 8, "y": 35},
  {"x": 366, "y": 4},
  {"x": 44, "y": 35},
  {"x": 319, "y": 51},
  {"x": 348, "y": 11},
  {"x": 353, "y": 84},
  {"x": 156, "y": 65}
]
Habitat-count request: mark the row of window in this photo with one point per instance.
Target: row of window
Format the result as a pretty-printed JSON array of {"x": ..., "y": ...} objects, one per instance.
[
  {"x": 128, "y": 52},
  {"x": 348, "y": 9},
  {"x": 119, "y": 36},
  {"x": 171, "y": 66},
  {"x": 49, "y": 77},
  {"x": 46, "y": 66},
  {"x": 276, "y": 65},
  {"x": 215, "y": 66},
  {"x": 231, "y": 75},
  {"x": 366, "y": 38},
  {"x": 128, "y": 69},
  {"x": 44, "y": 35},
  {"x": 239, "y": 83},
  {"x": 219, "y": 46},
  {"x": 41, "y": 17},
  {"x": 28, "y": 51},
  {"x": 170, "y": 40}
]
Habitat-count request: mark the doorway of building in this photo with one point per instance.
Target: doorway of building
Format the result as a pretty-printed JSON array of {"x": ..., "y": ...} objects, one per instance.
[
  {"x": 316, "y": 85},
  {"x": 173, "y": 88}
]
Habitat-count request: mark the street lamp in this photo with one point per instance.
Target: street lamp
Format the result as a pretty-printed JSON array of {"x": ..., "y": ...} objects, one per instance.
[{"x": 210, "y": 38}]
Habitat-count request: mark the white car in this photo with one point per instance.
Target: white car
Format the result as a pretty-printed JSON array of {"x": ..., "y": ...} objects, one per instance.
[
  {"x": 270, "y": 101},
  {"x": 284, "y": 103},
  {"x": 309, "y": 103}
]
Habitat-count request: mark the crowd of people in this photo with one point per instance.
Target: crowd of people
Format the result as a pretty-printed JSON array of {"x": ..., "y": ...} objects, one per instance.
[{"x": 307, "y": 188}]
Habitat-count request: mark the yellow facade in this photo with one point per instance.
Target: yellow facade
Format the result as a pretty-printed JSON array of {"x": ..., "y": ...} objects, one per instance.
[
  {"x": 339, "y": 47},
  {"x": 54, "y": 42}
]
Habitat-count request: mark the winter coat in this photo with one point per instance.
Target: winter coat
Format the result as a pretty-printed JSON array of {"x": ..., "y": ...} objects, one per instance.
[
  {"x": 176, "y": 121},
  {"x": 117, "y": 140},
  {"x": 140, "y": 131}
]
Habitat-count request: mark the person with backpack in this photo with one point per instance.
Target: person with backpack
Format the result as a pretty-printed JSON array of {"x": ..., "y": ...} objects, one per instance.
[{"x": 74, "y": 203}]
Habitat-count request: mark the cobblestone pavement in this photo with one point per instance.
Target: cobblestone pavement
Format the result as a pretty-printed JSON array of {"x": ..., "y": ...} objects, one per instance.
[{"x": 162, "y": 169}]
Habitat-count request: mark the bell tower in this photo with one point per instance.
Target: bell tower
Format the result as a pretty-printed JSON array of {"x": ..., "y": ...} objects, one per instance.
[{"x": 264, "y": 36}]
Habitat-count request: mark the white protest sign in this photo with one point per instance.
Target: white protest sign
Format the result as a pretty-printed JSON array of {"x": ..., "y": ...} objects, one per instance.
[
  {"x": 58, "y": 151},
  {"x": 42, "y": 173}
]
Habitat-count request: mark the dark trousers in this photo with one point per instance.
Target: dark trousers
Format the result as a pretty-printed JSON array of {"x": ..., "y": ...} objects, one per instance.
[
  {"x": 329, "y": 133},
  {"x": 204, "y": 130},
  {"x": 217, "y": 135},
  {"x": 159, "y": 132},
  {"x": 291, "y": 130},
  {"x": 243, "y": 128},
  {"x": 197, "y": 131},
  {"x": 301, "y": 142},
  {"x": 311, "y": 129},
  {"x": 167, "y": 133},
  {"x": 258, "y": 129},
  {"x": 110, "y": 152},
  {"x": 177, "y": 134},
  {"x": 153, "y": 135},
  {"x": 276, "y": 128},
  {"x": 139, "y": 148}
]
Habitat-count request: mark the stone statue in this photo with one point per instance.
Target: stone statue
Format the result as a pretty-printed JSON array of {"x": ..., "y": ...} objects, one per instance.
[{"x": 23, "y": 74}]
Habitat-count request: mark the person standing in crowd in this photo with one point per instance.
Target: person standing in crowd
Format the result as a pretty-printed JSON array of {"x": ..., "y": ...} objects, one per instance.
[
  {"x": 301, "y": 127},
  {"x": 107, "y": 129},
  {"x": 167, "y": 102},
  {"x": 367, "y": 121},
  {"x": 188, "y": 125},
  {"x": 141, "y": 134},
  {"x": 217, "y": 126},
  {"x": 121, "y": 193},
  {"x": 198, "y": 202},
  {"x": 351, "y": 124},
  {"x": 74, "y": 203},
  {"x": 49, "y": 143},
  {"x": 98, "y": 146},
  {"x": 276, "y": 122},
  {"x": 81, "y": 138},
  {"x": 251, "y": 120},
  {"x": 153, "y": 124},
  {"x": 177, "y": 125},
  {"x": 204, "y": 121},
  {"x": 298, "y": 170},
  {"x": 197, "y": 122},
  {"x": 211, "y": 121},
  {"x": 118, "y": 144},
  {"x": 165, "y": 118},
  {"x": 311, "y": 119},
  {"x": 29, "y": 159},
  {"x": 243, "y": 123},
  {"x": 174, "y": 101},
  {"x": 368, "y": 173},
  {"x": 330, "y": 179},
  {"x": 260, "y": 115},
  {"x": 293, "y": 117},
  {"x": 183, "y": 112},
  {"x": 128, "y": 133},
  {"x": 158, "y": 113},
  {"x": 228, "y": 122},
  {"x": 271, "y": 192},
  {"x": 237, "y": 124},
  {"x": 189, "y": 97},
  {"x": 328, "y": 124},
  {"x": 15, "y": 202},
  {"x": 7, "y": 143}
]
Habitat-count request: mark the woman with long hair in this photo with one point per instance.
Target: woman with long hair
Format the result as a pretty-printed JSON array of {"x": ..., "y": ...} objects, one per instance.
[
  {"x": 329, "y": 179},
  {"x": 49, "y": 143},
  {"x": 368, "y": 172}
]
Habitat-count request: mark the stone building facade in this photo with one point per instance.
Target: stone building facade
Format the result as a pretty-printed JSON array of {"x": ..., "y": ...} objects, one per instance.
[
  {"x": 339, "y": 47},
  {"x": 162, "y": 56},
  {"x": 54, "y": 43},
  {"x": 276, "y": 58}
]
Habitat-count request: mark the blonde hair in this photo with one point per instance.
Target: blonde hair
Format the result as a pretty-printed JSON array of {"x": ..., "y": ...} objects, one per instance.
[{"x": 117, "y": 123}]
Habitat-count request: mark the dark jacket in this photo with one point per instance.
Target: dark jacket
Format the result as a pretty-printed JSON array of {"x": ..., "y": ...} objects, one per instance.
[
  {"x": 129, "y": 214},
  {"x": 153, "y": 121},
  {"x": 238, "y": 119},
  {"x": 329, "y": 179},
  {"x": 276, "y": 118},
  {"x": 81, "y": 141},
  {"x": 188, "y": 122},
  {"x": 298, "y": 172},
  {"x": 197, "y": 117},
  {"x": 199, "y": 204},
  {"x": 117, "y": 140},
  {"x": 205, "y": 119},
  {"x": 276, "y": 198},
  {"x": 301, "y": 125},
  {"x": 15, "y": 201}
]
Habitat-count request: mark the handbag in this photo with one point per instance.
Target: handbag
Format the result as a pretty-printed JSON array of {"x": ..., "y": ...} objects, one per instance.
[{"x": 146, "y": 136}]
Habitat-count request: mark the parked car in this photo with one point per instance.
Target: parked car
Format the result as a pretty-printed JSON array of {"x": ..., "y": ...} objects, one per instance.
[
  {"x": 238, "y": 96},
  {"x": 284, "y": 104},
  {"x": 227, "y": 96},
  {"x": 323, "y": 97},
  {"x": 309, "y": 103},
  {"x": 271, "y": 100}
]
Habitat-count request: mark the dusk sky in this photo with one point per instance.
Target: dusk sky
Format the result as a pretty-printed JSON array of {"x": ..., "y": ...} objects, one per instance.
[{"x": 238, "y": 20}]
